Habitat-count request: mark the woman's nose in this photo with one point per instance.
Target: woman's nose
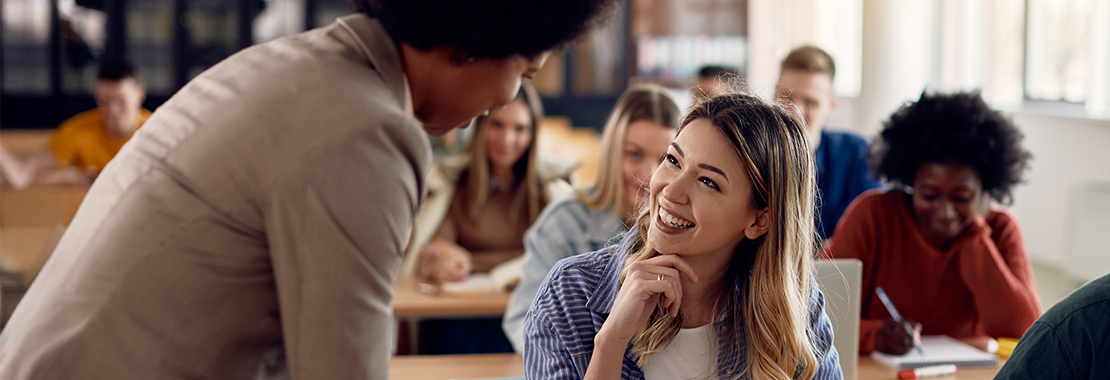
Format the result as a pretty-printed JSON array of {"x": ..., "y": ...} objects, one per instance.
[
  {"x": 948, "y": 210},
  {"x": 676, "y": 191}
]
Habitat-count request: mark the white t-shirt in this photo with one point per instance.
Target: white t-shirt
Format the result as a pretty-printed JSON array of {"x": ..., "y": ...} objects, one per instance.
[{"x": 691, "y": 355}]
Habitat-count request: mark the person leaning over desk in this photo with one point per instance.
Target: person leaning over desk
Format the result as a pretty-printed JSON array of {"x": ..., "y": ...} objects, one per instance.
[
  {"x": 632, "y": 146},
  {"x": 945, "y": 255},
  {"x": 252, "y": 228},
  {"x": 715, "y": 280}
]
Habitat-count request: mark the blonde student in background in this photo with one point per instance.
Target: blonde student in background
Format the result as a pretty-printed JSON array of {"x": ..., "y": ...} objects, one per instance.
[
  {"x": 945, "y": 254},
  {"x": 632, "y": 146},
  {"x": 714, "y": 280},
  {"x": 479, "y": 205}
]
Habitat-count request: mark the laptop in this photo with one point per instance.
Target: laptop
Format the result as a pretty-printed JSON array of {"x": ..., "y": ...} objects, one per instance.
[{"x": 841, "y": 281}]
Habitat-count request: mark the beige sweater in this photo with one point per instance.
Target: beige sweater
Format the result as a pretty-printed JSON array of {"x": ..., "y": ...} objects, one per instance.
[{"x": 232, "y": 237}]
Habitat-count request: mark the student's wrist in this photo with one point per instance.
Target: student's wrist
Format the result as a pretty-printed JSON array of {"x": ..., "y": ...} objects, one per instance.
[{"x": 608, "y": 337}]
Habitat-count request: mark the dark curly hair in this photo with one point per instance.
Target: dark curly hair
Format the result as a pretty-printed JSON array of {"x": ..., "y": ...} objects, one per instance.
[
  {"x": 958, "y": 128},
  {"x": 493, "y": 29}
]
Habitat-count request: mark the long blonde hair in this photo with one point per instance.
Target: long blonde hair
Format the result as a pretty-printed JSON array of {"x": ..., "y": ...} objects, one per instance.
[
  {"x": 639, "y": 102},
  {"x": 767, "y": 293},
  {"x": 528, "y": 200}
]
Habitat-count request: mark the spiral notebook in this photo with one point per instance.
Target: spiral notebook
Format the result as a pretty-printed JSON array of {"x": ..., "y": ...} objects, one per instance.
[{"x": 938, "y": 350}]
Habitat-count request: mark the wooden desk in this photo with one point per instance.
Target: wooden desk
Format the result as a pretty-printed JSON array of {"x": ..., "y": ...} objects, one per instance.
[
  {"x": 410, "y": 306},
  {"x": 408, "y": 303},
  {"x": 23, "y": 249},
  {"x": 40, "y": 205},
  {"x": 445, "y": 367}
]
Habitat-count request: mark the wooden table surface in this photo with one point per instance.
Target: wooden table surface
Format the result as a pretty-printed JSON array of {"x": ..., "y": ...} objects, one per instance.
[
  {"x": 443, "y": 367},
  {"x": 23, "y": 249},
  {"x": 39, "y": 205},
  {"x": 408, "y": 303}
]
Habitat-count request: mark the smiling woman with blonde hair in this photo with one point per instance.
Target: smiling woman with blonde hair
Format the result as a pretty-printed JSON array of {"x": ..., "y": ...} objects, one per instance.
[{"x": 715, "y": 280}]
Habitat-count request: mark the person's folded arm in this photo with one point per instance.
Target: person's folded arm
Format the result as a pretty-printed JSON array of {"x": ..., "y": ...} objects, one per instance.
[{"x": 1000, "y": 277}]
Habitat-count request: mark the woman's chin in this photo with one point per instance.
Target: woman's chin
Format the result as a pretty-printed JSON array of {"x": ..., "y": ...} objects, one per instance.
[{"x": 660, "y": 241}]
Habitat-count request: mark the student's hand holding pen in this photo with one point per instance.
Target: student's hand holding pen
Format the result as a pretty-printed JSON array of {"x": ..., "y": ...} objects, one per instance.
[
  {"x": 896, "y": 335},
  {"x": 444, "y": 262},
  {"x": 897, "y": 338}
]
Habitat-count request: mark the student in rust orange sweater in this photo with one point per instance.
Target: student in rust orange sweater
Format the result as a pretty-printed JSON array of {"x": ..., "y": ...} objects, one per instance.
[{"x": 946, "y": 257}]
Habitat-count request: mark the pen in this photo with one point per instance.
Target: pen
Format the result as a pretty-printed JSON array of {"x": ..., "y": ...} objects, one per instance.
[{"x": 898, "y": 317}]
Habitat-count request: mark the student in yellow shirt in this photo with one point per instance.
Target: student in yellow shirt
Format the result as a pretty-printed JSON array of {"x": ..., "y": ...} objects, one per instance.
[
  {"x": 87, "y": 141},
  {"x": 91, "y": 138}
]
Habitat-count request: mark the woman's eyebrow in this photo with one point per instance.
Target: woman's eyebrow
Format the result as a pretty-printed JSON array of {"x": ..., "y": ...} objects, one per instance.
[
  {"x": 680, "y": 153},
  {"x": 714, "y": 168}
]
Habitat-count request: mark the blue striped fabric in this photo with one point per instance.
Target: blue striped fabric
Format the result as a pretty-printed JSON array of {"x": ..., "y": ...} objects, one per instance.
[{"x": 577, "y": 296}]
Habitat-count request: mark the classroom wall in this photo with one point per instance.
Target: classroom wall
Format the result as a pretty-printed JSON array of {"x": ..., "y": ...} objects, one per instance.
[{"x": 1069, "y": 171}]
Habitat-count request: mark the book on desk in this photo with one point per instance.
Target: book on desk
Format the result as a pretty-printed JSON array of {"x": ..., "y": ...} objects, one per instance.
[
  {"x": 936, "y": 350},
  {"x": 500, "y": 278}
]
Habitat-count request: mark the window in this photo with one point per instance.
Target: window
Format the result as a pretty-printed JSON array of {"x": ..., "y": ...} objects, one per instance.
[
  {"x": 1058, "y": 49},
  {"x": 26, "y": 47},
  {"x": 150, "y": 34}
]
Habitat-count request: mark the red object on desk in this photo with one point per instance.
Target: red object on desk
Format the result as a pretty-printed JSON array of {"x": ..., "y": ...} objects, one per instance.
[{"x": 931, "y": 371}]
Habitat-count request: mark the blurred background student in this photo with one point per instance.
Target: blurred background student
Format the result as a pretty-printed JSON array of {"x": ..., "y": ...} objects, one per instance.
[
  {"x": 86, "y": 142},
  {"x": 632, "y": 146},
  {"x": 806, "y": 84},
  {"x": 479, "y": 205},
  {"x": 944, "y": 253}
]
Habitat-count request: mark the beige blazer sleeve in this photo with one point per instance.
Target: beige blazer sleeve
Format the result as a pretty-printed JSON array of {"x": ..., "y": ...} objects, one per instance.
[{"x": 335, "y": 251}]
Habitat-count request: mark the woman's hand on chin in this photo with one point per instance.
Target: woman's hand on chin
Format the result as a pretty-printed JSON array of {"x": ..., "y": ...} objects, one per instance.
[{"x": 648, "y": 283}]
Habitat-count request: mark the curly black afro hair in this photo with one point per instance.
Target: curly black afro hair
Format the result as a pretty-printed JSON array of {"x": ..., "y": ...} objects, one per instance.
[
  {"x": 958, "y": 128},
  {"x": 488, "y": 28}
]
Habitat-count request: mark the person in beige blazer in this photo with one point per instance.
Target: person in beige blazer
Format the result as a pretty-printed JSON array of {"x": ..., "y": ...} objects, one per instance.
[{"x": 253, "y": 227}]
